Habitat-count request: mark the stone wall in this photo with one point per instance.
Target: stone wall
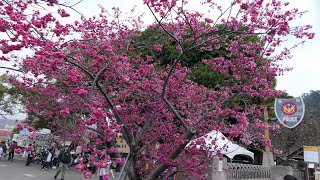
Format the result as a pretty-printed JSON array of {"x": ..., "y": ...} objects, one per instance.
[{"x": 278, "y": 172}]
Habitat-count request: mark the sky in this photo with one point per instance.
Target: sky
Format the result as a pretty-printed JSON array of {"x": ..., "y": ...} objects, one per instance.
[{"x": 305, "y": 63}]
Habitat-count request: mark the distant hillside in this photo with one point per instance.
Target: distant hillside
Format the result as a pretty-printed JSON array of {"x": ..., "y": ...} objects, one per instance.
[{"x": 8, "y": 123}]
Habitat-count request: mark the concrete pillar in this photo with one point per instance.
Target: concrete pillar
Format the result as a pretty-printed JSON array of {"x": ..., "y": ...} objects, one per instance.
[
  {"x": 278, "y": 172},
  {"x": 219, "y": 169},
  {"x": 268, "y": 159}
]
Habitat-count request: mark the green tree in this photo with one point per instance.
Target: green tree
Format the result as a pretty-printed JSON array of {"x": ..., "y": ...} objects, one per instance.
[{"x": 201, "y": 73}]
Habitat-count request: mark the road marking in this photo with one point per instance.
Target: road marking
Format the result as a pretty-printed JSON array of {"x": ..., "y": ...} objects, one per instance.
[
  {"x": 2, "y": 165},
  {"x": 29, "y": 175}
]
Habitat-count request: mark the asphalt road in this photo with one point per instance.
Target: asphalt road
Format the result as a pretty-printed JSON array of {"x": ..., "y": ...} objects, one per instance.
[{"x": 17, "y": 170}]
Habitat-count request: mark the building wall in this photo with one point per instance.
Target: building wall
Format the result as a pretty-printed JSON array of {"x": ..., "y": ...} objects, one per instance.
[{"x": 122, "y": 145}]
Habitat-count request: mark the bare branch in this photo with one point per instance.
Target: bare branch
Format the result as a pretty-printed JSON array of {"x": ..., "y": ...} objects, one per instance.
[
  {"x": 18, "y": 70},
  {"x": 160, "y": 24},
  {"x": 174, "y": 111},
  {"x": 230, "y": 7}
]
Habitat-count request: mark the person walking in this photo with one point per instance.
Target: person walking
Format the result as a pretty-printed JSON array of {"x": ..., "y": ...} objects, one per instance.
[
  {"x": 12, "y": 147},
  {"x": 1, "y": 152},
  {"x": 55, "y": 157},
  {"x": 47, "y": 162},
  {"x": 29, "y": 154},
  {"x": 4, "y": 148},
  {"x": 64, "y": 159},
  {"x": 78, "y": 149}
]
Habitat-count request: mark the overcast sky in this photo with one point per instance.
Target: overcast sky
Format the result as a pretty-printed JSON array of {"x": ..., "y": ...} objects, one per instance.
[{"x": 302, "y": 79}]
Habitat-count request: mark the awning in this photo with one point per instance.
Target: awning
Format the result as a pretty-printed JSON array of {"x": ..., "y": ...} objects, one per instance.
[{"x": 217, "y": 141}]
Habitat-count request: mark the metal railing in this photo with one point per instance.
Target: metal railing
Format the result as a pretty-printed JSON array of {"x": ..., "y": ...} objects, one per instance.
[{"x": 247, "y": 172}]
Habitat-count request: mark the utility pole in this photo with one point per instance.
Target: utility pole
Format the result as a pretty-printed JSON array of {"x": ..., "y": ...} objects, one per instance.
[
  {"x": 266, "y": 123},
  {"x": 267, "y": 154}
]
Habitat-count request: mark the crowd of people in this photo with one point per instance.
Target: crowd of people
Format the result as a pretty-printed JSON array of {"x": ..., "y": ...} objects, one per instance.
[{"x": 63, "y": 158}]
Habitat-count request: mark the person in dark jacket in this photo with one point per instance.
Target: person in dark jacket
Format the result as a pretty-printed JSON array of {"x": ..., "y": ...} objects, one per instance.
[
  {"x": 4, "y": 147},
  {"x": 30, "y": 154},
  {"x": 64, "y": 159}
]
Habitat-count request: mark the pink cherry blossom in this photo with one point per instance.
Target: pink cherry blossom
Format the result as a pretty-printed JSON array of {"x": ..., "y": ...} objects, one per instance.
[
  {"x": 19, "y": 127},
  {"x": 82, "y": 92},
  {"x": 65, "y": 112},
  {"x": 94, "y": 79}
]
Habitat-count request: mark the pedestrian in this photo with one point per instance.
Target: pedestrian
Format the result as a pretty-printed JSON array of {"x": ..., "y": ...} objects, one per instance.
[
  {"x": 55, "y": 157},
  {"x": 29, "y": 151},
  {"x": 1, "y": 152},
  {"x": 43, "y": 155},
  {"x": 47, "y": 162},
  {"x": 104, "y": 168},
  {"x": 78, "y": 160},
  {"x": 78, "y": 149},
  {"x": 12, "y": 147},
  {"x": 289, "y": 177},
  {"x": 4, "y": 147},
  {"x": 64, "y": 159}
]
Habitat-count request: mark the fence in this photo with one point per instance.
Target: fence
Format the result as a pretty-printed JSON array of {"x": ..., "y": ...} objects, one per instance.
[{"x": 247, "y": 172}]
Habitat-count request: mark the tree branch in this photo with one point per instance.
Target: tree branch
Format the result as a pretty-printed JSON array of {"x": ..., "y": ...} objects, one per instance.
[
  {"x": 173, "y": 155},
  {"x": 117, "y": 116},
  {"x": 112, "y": 107},
  {"x": 77, "y": 65},
  {"x": 142, "y": 130},
  {"x": 204, "y": 115},
  {"x": 160, "y": 24},
  {"x": 172, "y": 109},
  {"x": 18, "y": 70}
]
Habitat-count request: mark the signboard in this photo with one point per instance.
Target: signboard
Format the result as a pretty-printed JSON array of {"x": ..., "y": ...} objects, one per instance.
[
  {"x": 311, "y": 154},
  {"x": 23, "y": 139},
  {"x": 311, "y": 165},
  {"x": 289, "y": 112}
]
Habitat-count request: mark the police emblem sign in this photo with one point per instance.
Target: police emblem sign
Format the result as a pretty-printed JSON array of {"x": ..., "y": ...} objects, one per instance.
[{"x": 289, "y": 112}]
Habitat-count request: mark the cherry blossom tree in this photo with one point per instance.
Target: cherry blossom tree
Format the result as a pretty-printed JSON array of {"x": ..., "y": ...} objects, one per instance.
[{"x": 84, "y": 72}]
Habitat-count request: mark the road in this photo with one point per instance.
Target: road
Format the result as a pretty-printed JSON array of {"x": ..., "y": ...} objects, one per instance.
[{"x": 17, "y": 170}]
